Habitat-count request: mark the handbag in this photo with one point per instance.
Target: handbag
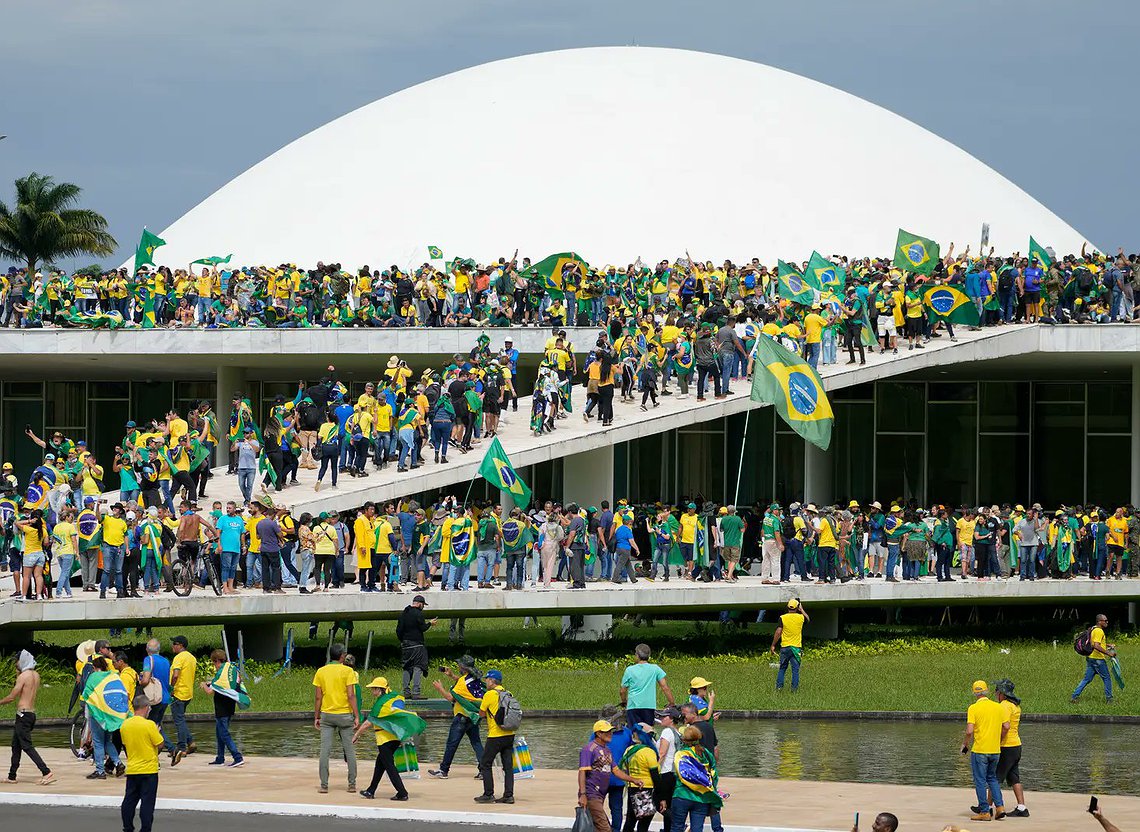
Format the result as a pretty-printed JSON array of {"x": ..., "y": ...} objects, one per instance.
[
  {"x": 153, "y": 691},
  {"x": 583, "y": 822},
  {"x": 642, "y": 800}
]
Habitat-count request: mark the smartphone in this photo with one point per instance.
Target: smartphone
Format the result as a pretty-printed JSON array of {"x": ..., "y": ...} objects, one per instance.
[
  {"x": 856, "y": 820},
  {"x": 1092, "y": 804},
  {"x": 442, "y": 669},
  {"x": 28, "y": 426}
]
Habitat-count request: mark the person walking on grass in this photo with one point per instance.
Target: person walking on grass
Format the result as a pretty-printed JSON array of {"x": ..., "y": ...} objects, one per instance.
[
  {"x": 141, "y": 741},
  {"x": 335, "y": 711},
  {"x": 789, "y": 638},
  {"x": 1009, "y": 759},
  {"x": 639, "y": 685},
  {"x": 986, "y": 727},
  {"x": 1096, "y": 659},
  {"x": 24, "y": 693}
]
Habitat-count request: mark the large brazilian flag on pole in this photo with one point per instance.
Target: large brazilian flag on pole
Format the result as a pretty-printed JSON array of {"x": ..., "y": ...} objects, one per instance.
[
  {"x": 784, "y": 380},
  {"x": 793, "y": 285},
  {"x": 496, "y": 469},
  {"x": 915, "y": 254},
  {"x": 1036, "y": 250}
]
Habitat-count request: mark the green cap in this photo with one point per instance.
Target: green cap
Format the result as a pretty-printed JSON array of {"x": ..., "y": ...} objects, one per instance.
[{"x": 691, "y": 505}]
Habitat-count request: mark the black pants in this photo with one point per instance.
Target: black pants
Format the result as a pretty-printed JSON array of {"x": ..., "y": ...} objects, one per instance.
[
  {"x": 277, "y": 463},
  {"x": 290, "y": 464},
  {"x": 142, "y": 789},
  {"x": 22, "y": 744},
  {"x": 854, "y": 337},
  {"x": 270, "y": 570},
  {"x": 324, "y": 569},
  {"x": 668, "y": 783},
  {"x": 503, "y": 748},
  {"x": 151, "y": 497},
  {"x": 130, "y": 570},
  {"x": 386, "y": 764},
  {"x": 703, "y": 372},
  {"x": 606, "y": 402},
  {"x": 200, "y": 475},
  {"x": 632, "y": 822},
  {"x": 942, "y": 564},
  {"x": 578, "y": 567},
  {"x": 180, "y": 480}
]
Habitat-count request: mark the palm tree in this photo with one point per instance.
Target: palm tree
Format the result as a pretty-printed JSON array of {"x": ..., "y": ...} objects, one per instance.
[{"x": 45, "y": 225}]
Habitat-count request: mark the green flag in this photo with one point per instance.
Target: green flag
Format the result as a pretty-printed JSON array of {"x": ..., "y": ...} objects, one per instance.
[
  {"x": 792, "y": 285},
  {"x": 794, "y": 388},
  {"x": 950, "y": 303},
  {"x": 550, "y": 269},
  {"x": 915, "y": 254},
  {"x": 496, "y": 469},
  {"x": 144, "y": 254},
  {"x": 1035, "y": 250},
  {"x": 212, "y": 261},
  {"x": 435, "y": 253},
  {"x": 829, "y": 276}
]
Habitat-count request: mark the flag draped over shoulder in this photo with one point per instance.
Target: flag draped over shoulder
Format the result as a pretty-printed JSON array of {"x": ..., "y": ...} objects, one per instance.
[
  {"x": 227, "y": 683},
  {"x": 1036, "y": 250},
  {"x": 829, "y": 276},
  {"x": 89, "y": 528},
  {"x": 795, "y": 390},
  {"x": 550, "y": 269},
  {"x": 792, "y": 285},
  {"x": 388, "y": 714},
  {"x": 496, "y": 469},
  {"x": 915, "y": 254},
  {"x": 948, "y": 303},
  {"x": 144, "y": 254},
  {"x": 696, "y": 777},
  {"x": 106, "y": 697}
]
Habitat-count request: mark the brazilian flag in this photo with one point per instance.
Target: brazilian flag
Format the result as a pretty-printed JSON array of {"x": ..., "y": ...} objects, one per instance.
[
  {"x": 1035, "y": 250},
  {"x": 435, "y": 253},
  {"x": 795, "y": 390},
  {"x": 696, "y": 776},
  {"x": 216, "y": 260},
  {"x": 106, "y": 698},
  {"x": 915, "y": 254},
  {"x": 148, "y": 244},
  {"x": 388, "y": 714},
  {"x": 550, "y": 271},
  {"x": 829, "y": 276},
  {"x": 948, "y": 303},
  {"x": 496, "y": 469},
  {"x": 89, "y": 528},
  {"x": 793, "y": 286},
  {"x": 227, "y": 682}
]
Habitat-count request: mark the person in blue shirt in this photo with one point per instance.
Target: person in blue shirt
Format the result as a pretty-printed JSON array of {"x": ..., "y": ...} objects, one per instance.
[
  {"x": 624, "y": 544},
  {"x": 342, "y": 411},
  {"x": 230, "y": 528},
  {"x": 156, "y": 666}
]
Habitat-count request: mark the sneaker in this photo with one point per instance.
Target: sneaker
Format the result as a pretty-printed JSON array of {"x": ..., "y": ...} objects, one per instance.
[
  {"x": 368, "y": 795},
  {"x": 95, "y": 775},
  {"x": 322, "y": 789},
  {"x": 506, "y": 799},
  {"x": 485, "y": 798},
  {"x": 216, "y": 763},
  {"x": 236, "y": 763},
  {"x": 1018, "y": 813},
  {"x": 177, "y": 757}
]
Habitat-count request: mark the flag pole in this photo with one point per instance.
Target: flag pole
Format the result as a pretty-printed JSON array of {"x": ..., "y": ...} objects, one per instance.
[{"x": 740, "y": 466}]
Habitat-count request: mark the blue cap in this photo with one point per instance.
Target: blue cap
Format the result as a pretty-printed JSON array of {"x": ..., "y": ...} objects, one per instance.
[
  {"x": 497, "y": 675},
  {"x": 88, "y": 501},
  {"x": 131, "y": 425}
]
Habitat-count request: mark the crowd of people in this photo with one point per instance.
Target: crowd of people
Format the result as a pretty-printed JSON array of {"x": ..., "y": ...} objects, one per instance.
[{"x": 461, "y": 292}]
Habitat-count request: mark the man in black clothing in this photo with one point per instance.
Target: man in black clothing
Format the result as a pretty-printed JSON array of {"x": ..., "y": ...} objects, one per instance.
[
  {"x": 321, "y": 392},
  {"x": 410, "y": 629},
  {"x": 455, "y": 392}
]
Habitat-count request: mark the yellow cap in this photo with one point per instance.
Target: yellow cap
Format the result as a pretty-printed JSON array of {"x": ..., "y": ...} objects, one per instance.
[
  {"x": 793, "y": 604},
  {"x": 895, "y": 509},
  {"x": 1019, "y": 507},
  {"x": 378, "y": 682},
  {"x": 602, "y": 727},
  {"x": 981, "y": 687},
  {"x": 853, "y": 504},
  {"x": 699, "y": 682}
]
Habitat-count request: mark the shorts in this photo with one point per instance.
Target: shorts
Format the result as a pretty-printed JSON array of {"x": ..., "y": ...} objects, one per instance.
[
  {"x": 876, "y": 549},
  {"x": 15, "y": 560},
  {"x": 887, "y": 325},
  {"x": 1009, "y": 765},
  {"x": 913, "y": 327},
  {"x": 34, "y": 559},
  {"x": 731, "y": 553},
  {"x": 687, "y": 551},
  {"x": 1032, "y": 297}
]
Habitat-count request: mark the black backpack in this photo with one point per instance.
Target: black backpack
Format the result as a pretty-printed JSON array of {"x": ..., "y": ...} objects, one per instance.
[
  {"x": 1005, "y": 280},
  {"x": 788, "y": 526},
  {"x": 310, "y": 416},
  {"x": 1083, "y": 642}
]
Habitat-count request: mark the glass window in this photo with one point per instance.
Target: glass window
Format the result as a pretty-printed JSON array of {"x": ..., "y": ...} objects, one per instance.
[
  {"x": 621, "y": 470},
  {"x": 151, "y": 400},
  {"x": 23, "y": 389},
  {"x": 195, "y": 389},
  {"x": 646, "y": 457},
  {"x": 901, "y": 406},
  {"x": 899, "y": 467},
  {"x": 1004, "y": 406},
  {"x": 953, "y": 391},
  {"x": 1004, "y": 473},
  {"x": 1110, "y": 407},
  {"x": 789, "y": 467},
  {"x": 952, "y": 453},
  {"x": 66, "y": 404},
  {"x": 860, "y": 392},
  {"x": 1110, "y": 470},
  {"x": 853, "y": 449},
  {"x": 700, "y": 469},
  {"x": 1058, "y": 454},
  {"x": 756, "y": 481},
  {"x": 110, "y": 389},
  {"x": 1067, "y": 391}
]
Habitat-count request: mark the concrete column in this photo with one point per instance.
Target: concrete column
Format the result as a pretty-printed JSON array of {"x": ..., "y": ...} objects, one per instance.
[
  {"x": 229, "y": 381},
  {"x": 264, "y": 642},
  {"x": 818, "y": 475},
  {"x": 1133, "y": 617},
  {"x": 1136, "y": 435},
  {"x": 588, "y": 477},
  {"x": 594, "y": 628},
  {"x": 824, "y": 623}
]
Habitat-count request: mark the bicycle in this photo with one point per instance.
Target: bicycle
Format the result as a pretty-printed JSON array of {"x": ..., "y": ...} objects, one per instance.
[{"x": 185, "y": 569}]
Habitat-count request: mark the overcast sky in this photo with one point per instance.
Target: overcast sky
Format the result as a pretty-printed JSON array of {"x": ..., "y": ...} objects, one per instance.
[{"x": 151, "y": 108}]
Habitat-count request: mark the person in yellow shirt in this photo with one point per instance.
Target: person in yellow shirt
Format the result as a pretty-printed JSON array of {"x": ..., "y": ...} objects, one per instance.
[
  {"x": 253, "y": 548},
  {"x": 986, "y": 725},
  {"x": 813, "y": 333},
  {"x": 1009, "y": 759},
  {"x": 500, "y": 743},
  {"x": 65, "y": 545},
  {"x": 1096, "y": 663},
  {"x": 335, "y": 712},
  {"x": 789, "y": 638},
  {"x": 965, "y": 526},
  {"x": 127, "y": 674},
  {"x": 1117, "y": 541},
  {"x": 364, "y": 530},
  {"x": 114, "y": 536},
  {"x": 386, "y": 745},
  {"x": 183, "y": 668},
  {"x": 141, "y": 740},
  {"x": 689, "y": 522}
]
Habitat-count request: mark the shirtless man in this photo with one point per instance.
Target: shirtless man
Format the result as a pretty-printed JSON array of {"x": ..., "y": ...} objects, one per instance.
[
  {"x": 189, "y": 533},
  {"x": 24, "y": 694}
]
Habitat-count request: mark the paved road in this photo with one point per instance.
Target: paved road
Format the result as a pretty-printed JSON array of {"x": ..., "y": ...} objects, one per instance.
[{"x": 49, "y": 819}]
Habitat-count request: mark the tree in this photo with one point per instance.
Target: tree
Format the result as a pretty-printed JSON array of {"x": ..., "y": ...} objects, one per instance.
[{"x": 45, "y": 224}]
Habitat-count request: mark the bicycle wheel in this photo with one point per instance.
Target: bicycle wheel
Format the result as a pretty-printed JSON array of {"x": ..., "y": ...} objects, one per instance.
[
  {"x": 78, "y": 737},
  {"x": 212, "y": 572},
  {"x": 182, "y": 578}
]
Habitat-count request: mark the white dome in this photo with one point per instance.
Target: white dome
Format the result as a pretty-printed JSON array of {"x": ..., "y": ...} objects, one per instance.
[{"x": 613, "y": 153}]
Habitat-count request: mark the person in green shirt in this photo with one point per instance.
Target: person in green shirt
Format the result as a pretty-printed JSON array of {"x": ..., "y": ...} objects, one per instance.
[
  {"x": 772, "y": 537},
  {"x": 942, "y": 537},
  {"x": 732, "y": 539}
]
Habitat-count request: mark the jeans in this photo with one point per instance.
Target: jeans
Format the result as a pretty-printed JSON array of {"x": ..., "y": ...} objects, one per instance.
[
  {"x": 984, "y": 769},
  {"x": 503, "y": 748},
  {"x": 330, "y": 458},
  {"x": 704, "y": 371},
  {"x": 440, "y": 436},
  {"x": 1007, "y": 302},
  {"x": 826, "y": 557},
  {"x": 306, "y": 569},
  {"x": 178, "y": 714},
  {"x": 1094, "y": 668},
  {"x": 103, "y": 747},
  {"x": 515, "y": 568},
  {"x": 726, "y": 365},
  {"x": 142, "y": 789},
  {"x": 245, "y": 482},
  {"x": 813, "y": 351},
  {"x": 892, "y": 559},
  {"x": 62, "y": 572},
  {"x": 694, "y": 811},
  {"x": 252, "y": 569},
  {"x": 224, "y": 740},
  {"x": 788, "y": 658},
  {"x": 229, "y": 566},
  {"x": 290, "y": 575},
  {"x": 793, "y": 557},
  {"x": 112, "y": 569},
  {"x": 942, "y": 564},
  {"x": 460, "y": 575},
  {"x": 1027, "y": 563},
  {"x": 409, "y": 452},
  {"x": 341, "y": 726},
  {"x": 157, "y": 712},
  {"x": 484, "y": 565},
  {"x": 461, "y": 727}
]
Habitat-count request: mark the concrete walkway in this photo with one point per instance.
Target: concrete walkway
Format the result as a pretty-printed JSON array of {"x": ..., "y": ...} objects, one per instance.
[{"x": 289, "y": 786}]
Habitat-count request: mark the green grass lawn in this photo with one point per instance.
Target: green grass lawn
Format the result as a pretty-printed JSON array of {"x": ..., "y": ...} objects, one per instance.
[{"x": 894, "y": 669}]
